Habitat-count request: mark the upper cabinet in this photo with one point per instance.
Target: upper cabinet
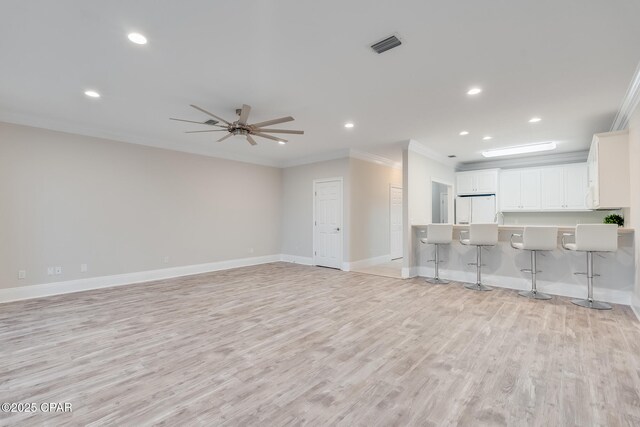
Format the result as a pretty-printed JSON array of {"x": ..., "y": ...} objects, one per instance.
[
  {"x": 477, "y": 182},
  {"x": 608, "y": 171},
  {"x": 565, "y": 187},
  {"x": 548, "y": 188},
  {"x": 520, "y": 190}
]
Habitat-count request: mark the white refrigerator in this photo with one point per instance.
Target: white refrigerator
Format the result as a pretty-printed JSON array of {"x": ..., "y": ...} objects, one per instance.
[{"x": 475, "y": 209}]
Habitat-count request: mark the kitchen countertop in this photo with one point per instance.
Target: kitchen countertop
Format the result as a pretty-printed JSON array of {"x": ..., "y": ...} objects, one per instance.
[{"x": 518, "y": 227}]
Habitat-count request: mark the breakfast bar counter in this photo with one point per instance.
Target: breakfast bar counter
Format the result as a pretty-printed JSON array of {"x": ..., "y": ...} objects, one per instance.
[{"x": 503, "y": 264}]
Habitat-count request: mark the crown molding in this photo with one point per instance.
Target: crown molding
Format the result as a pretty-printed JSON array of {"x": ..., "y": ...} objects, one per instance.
[
  {"x": 316, "y": 158},
  {"x": 422, "y": 149},
  {"x": 530, "y": 161},
  {"x": 341, "y": 154},
  {"x": 162, "y": 144},
  {"x": 368, "y": 157},
  {"x": 629, "y": 103}
]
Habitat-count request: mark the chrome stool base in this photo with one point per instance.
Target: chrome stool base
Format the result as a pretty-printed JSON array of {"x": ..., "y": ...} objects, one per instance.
[
  {"x": 478, "y": 287},
  {"x": 437, "y": 281},
  {"x": 534, "y": 295},
  {"x": 596, "y": 305}
]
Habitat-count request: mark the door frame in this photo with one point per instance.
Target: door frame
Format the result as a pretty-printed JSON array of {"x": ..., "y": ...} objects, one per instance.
[
  {"x": 399, "y": 187},
  {"x": 450, "y": 196},
  {"x": 313, "y": 222}
]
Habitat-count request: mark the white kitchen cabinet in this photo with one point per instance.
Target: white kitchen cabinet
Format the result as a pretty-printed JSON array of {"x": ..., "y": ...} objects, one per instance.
[
  {"x": 519, "y": 190},
  {"x": 553, "y": 188},
  {"x": 608, "y": 171},
  {"x": 576, "y": 187},
  {"x": 477, "y": 182},
  {"x": 564, "y": 188}
]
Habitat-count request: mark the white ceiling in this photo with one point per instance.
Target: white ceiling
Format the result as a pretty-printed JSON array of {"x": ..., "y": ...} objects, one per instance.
[{"x": 568, "y": 62}]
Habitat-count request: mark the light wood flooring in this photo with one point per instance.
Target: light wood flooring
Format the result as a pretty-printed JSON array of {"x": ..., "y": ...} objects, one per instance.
[
  {"x": 386, "y": 269},
  {"x": 284, "y": 344}
]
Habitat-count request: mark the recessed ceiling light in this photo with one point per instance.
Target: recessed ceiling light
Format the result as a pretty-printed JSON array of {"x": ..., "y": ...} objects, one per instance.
[
  {"x": 534, "y": 120},
  {"x": 522, "y": 149},
  {"x": 474, "y": 91},
  {"x": 137, "y": 38},
  {"x": 281, "y": 142},
  {"x": 463, "y": 133},
  {"x": 92, "y": 94},
  {"x": 486, "y": 138},
  {"x": 348, "y": 125}
]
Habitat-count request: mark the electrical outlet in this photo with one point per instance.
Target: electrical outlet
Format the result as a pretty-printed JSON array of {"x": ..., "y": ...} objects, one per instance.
[
  {"x": 250, "y": 250},
  {"x": 83, "y": 268},
  {"x": 165, "y": 260},
  {"x": 51, "y": 271},
  {"x": 58, "y": 270},
  {"x": 22, "y": 274}
]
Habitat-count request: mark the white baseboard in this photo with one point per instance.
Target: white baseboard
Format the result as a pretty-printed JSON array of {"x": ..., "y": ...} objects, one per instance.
[
  {"x": 364, "y": 263},
  {"x": 295, "y": 259},
  {"x": 522, "y": 284},
  {"x": 78, "y": 285},
  {"x": 409, "y": 272},
  {"x": 635, "y": 305}
]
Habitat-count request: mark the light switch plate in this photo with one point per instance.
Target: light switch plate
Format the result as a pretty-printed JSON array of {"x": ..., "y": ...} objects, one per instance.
[{"x": 22, "y": 274}]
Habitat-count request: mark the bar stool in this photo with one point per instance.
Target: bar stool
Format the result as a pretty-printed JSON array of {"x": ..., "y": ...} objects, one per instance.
[
  {"x": 592, "y": 238},
  {"x": 480, "y": 235},
  {"x": 535, "y": 239},
  {"x": 438, "y": 234}
]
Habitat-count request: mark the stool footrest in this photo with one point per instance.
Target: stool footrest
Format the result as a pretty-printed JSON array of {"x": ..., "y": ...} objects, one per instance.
[
  {"x": 476, "y": 264},
  {"x": 529, "y": 270}
]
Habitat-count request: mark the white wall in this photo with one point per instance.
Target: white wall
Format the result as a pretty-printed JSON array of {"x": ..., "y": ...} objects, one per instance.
[
  {"x": 370, "y": 198},
  {"x": 297, "y": 207},
  {"x": 633, "y": 217},
  {"x": 67, "y": 200}
]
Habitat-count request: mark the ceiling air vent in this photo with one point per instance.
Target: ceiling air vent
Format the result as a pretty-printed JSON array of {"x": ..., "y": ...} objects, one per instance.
[{"x": 386, "y": 44}]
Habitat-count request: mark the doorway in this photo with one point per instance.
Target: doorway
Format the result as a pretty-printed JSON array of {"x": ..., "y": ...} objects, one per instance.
[
  {"x": 327, "y": 222},
  {"x": 441, "y": 202}
]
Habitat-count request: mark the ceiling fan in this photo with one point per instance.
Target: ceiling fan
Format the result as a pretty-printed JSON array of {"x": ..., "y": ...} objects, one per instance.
[{"x": 241, "y": 127}]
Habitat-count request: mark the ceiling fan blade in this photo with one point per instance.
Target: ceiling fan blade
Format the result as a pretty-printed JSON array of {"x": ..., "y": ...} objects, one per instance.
[
  {"x": 211, "y": 114},
  {"x": 210, "y": 130},
  {"x": 297, "y": 132},
  {"x": 188, "y": 121},
  {"x": 273, "y": 122},
  {"x": 244, "y": 114},
  {"x": 269, "y": 137},
  {"x": 225, "y": 137},
  {"x": 251, "y": 140}
]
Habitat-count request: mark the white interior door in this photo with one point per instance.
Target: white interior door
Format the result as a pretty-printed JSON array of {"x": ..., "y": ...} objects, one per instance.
[
  {"x": 395, "y": 219},
  {"x": 327, "y": 228}
]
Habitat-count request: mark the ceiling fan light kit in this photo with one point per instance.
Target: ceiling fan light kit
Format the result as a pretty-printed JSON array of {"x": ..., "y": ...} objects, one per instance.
[{"x": 240, "y": 127}]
